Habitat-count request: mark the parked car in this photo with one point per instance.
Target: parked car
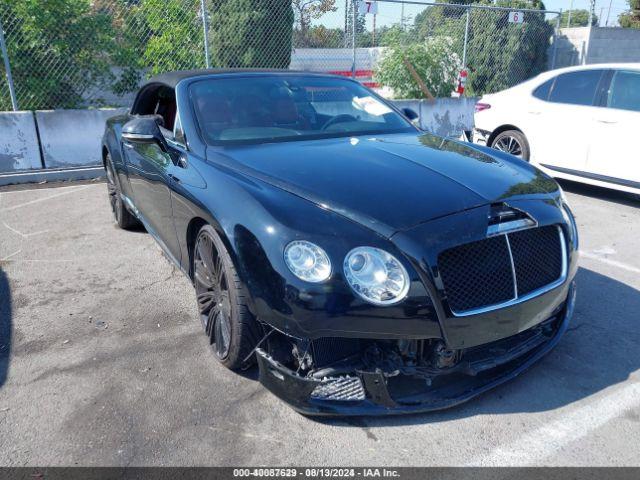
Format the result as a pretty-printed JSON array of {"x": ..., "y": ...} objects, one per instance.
[
  {"x": 368, "y": 267},
  {"x": 577, "y": 123}
]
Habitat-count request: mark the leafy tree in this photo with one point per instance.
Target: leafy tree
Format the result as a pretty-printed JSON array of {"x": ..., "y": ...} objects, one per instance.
[
  {"x": 251, "y": 33},
  {"x": 305, "y": 12},
  {"x": 319, "y": 36},
  {"x": 57, "y": 51},
  {"x": 502, "y": 54},
  {"x": 434, "y": 60},
  {"x": 579, "y": 18},
  {"x": 631, "y": 18},
  {"x": 176, "y": 38},
  {"x": 499, "y": 54},
  {"x": 389, "y": 36}
]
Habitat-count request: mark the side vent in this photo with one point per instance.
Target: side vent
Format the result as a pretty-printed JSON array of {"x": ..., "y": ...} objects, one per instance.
[{"x": 503, "y": 219}]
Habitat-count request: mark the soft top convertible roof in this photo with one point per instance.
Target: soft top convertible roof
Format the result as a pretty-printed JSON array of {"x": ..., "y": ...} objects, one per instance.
[{"x": 171, "y": 79}]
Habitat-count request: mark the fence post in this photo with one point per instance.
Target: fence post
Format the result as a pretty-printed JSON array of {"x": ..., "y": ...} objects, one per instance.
[
  {"x": 7, "y": 69},
  {"x": 353, "y": 37},
  {"x": 555, "y": 41},
  {"x": 205, "y": 27},
  {"x": 466, "y": 39}
]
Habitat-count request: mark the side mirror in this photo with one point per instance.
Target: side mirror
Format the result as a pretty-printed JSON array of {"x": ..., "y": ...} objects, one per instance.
[
  {"x": 144, "y": 130},
  {"x": 410, "y": 114}
]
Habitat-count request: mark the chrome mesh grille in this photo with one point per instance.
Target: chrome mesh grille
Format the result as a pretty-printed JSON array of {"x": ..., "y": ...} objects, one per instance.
[
  {"x": 477, "y": 274},
  {"x": 481, "y": 274},
  {"x": 537, "y": 257}
]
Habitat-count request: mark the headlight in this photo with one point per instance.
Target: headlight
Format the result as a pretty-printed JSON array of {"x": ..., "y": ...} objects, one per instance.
[
  {"x": 307, "y": 261},
  {"x": 376, "y": 276}
]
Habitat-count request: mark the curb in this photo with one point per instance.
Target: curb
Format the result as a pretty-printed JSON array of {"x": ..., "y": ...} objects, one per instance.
[{"x": 51, "y": 175}]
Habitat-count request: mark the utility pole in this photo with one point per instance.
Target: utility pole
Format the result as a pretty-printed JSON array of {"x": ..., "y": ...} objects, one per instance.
[
  {"x": 592, "y": 8},
  {"x": 608, "y": 13},
  {"x": 346, "y": 23},
  {"x": 373, "y": 36},
  {"x": 205, "y": 29},
  {"x": 7, "y": 70},
  {"x": 353, "y": 30},
  {"x": 569, "y": 15}
]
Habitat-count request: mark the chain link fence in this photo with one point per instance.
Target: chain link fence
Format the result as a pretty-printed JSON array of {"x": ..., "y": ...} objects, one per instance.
[
  {"x": 499, "y": 47},
  {"x": 94, "y": 53}
]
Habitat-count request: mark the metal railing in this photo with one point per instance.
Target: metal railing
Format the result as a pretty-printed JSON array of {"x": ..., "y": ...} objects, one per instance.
[{"x": 93, "y": 53}]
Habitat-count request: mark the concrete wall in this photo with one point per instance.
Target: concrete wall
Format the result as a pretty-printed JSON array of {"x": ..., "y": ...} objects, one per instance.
[
  {"x": 18, "y": 142},
  {"x": 614, "y": 45},
  {"x": 445, "y": 116},
  {"x": 571, "y": 46},
  {"x": 597, "y": 45},
  {"x": 72, "y": 138}
]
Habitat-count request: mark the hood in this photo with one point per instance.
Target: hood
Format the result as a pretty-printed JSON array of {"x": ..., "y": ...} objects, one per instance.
[{"x": 388, "y": 183}]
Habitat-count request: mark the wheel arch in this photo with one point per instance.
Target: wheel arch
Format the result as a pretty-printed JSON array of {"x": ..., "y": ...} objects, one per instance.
[
  {"x": 193, "y": 228},
  {"x": 500, "y": 129},
  {"x": 105, "y": 152}
]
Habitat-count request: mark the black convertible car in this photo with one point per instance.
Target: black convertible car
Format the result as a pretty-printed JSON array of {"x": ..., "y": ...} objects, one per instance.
[{"x": 368, "y": 267}]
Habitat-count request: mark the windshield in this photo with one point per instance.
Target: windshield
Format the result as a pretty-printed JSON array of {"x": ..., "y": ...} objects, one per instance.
[{"x": 261, "y": 109}]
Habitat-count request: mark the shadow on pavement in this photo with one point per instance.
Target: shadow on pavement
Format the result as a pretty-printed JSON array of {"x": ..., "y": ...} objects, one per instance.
[
  {"x": 601, "y": 193},
  {"x": 600, "y": 349},
  {"x": 5, "y": 326}
]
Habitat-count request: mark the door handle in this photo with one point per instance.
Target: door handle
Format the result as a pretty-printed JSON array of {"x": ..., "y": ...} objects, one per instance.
[
  {"x": 174, "y": 178},
  {"x": 608, "y": 122}
]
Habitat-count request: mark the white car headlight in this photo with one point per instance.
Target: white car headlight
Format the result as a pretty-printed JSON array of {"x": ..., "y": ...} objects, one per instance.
[
  {"x": 376, "y": 276},
  {"x": 307, "y": 261}
]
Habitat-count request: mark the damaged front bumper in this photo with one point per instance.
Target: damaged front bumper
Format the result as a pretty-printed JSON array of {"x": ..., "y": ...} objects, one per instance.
[{"x": 378, "y": 391}]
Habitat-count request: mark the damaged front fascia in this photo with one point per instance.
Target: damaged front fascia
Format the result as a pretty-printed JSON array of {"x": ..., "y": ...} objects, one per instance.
[{"x": 476, "y": 371}]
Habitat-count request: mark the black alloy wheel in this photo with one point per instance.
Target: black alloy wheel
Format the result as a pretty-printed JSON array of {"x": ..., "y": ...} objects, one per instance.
[
  {"x": 123, "y": 217},
  {"x": 232, "y": 330}
]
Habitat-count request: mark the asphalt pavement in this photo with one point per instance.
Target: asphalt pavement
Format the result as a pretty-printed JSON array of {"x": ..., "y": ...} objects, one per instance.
[{"x": 103, "y": 361}]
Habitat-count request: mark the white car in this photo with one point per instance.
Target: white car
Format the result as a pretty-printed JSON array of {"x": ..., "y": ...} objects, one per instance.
[{"x": 578, "y": 123}]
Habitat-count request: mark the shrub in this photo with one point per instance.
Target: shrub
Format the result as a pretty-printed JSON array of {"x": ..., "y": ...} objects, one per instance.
[{"x": 434, "y": 60}]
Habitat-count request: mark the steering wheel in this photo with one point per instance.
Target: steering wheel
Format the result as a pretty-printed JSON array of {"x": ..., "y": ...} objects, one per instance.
[{"x": 343, "y": 117}]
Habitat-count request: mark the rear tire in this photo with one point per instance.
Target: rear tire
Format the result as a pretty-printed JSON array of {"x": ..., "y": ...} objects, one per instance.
[
  {"x": 123, "y": 217},
  {"x": 513, "y": 142},
  {"x": 222, "y": 302}
]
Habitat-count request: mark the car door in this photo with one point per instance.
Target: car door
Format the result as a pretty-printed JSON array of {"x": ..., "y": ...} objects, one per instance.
[
  {"x": 561, "y": 123},
  {"x": 150, "y": 173},
  {"x": 149, "y": 166},
  {"x": 613, "y": 145}
]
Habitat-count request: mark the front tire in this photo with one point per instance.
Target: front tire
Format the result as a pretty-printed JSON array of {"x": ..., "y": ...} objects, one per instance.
[
  {"x": 222, "y": 301},
  {"x": 123, "y": 217},
  {"x": 513, "y": 142}
]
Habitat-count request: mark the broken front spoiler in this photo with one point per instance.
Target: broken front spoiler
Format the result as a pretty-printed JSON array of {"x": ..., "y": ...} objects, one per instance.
[{"x": 297, "y": 390}]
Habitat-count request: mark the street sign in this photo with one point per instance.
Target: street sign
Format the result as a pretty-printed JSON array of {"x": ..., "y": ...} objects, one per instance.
[
  {"x": 516, "y": 17},
  {"x": 368, "y": 7}
]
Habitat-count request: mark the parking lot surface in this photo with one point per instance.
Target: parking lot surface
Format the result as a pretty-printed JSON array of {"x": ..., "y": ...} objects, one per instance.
[{"x": 103, "y": 361}]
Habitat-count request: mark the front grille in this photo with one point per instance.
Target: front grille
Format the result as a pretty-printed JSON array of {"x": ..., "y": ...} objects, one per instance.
[
  {"x": 328, "y": 350},
  {"x": 537, "y": 257},
  {"x": 477, "y": 274},
  {"x": 480, "y": 274}
]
